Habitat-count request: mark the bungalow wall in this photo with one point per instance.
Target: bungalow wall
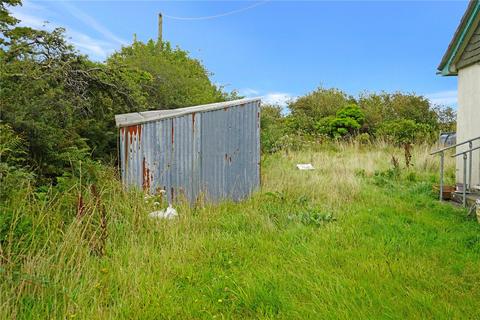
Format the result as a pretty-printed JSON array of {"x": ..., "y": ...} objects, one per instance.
[{"x": 468, "y": 117}]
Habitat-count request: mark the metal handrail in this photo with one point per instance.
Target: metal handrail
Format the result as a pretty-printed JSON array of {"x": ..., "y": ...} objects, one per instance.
[
  {"x": 458, "y": 144},
  {"x": 464, "y": 153}
]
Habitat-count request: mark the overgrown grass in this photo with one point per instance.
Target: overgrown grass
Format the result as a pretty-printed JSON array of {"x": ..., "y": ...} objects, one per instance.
[{"x": 352, "y": 239}]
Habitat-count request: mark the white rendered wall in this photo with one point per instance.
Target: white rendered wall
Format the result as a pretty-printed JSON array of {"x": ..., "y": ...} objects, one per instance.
[{"x": 468, "y": 117}]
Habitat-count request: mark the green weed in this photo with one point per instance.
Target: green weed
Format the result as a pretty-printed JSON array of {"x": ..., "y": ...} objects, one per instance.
[{"x": 351, "y": 239}]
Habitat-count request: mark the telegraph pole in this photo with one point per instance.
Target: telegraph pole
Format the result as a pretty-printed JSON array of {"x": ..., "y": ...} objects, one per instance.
[{"x": 159, "y": 40}]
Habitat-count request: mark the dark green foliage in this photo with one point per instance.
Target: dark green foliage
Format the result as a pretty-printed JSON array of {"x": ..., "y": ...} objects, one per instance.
[
  {"x": 12, "y": 147},
  {"x": 397, "y": 117},
  {"x": 6, "y": 19},
  {"x": 272, "y": 128},
  {"x": 384, "y": 106},
  {"x": 352, "y": 111},
  {"x": 59, "y": 101},
  {"x": 13, "y": 154},
  {"x": 309, "y": 109},
  {"x": 348, "y": 120},
  {"x": 177, "y": 79},
  {"x": 63, "y": 104},
  {"x": 447, "y": 119},
  {"x": 405, "y": 131},
  {"x": 14, "y": 178}
]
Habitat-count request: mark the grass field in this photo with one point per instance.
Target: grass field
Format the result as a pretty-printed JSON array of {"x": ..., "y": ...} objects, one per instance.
[{"x": 353, "y": 239}]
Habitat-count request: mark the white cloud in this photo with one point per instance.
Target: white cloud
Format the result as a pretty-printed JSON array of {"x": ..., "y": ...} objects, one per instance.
[
  {"x": 278, "y": 98},
  {"x": 91, "y": 22},
  {"x": 31, "y": 21},
  {"x": 36, "y": 16},
  {"x": 274, "y": 98},
  {"x": 85, "y": 43},
  {"x": 249, "y": 92},
  {"x": 448, "y": 97}
]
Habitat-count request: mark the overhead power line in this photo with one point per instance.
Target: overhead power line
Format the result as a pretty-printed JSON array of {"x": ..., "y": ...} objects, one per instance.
[{"x": 217, "y": 15}]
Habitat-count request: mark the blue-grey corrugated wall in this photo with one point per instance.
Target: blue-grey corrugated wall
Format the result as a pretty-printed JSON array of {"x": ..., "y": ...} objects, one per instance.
[{"x": 213, "y": 154}]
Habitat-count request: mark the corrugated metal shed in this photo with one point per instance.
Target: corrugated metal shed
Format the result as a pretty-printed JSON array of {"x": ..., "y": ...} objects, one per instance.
[{"x": 210, "y": 151}]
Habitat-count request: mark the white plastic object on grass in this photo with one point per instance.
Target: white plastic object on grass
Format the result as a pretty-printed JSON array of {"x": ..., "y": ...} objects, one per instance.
[
  {"x": 305, "y": 166},
  {"x": 169, "y": 213}
]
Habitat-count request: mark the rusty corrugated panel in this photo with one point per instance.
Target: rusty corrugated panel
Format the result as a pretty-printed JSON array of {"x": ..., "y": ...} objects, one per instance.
[{"x": 211, "y": 151}]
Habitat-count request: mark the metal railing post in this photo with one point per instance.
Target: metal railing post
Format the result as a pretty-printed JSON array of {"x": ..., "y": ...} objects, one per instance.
[
  {"x": 470, "y": 146},
  {"x": 442, "y": 156},
  {"x": 465, "y": 180}
]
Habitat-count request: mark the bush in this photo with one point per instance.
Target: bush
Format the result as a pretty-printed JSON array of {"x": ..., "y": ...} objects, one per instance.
[
  {"x": 363, "y": 138},
  {"x": 272, "y": 128},
  {"x": 348, "y": 120},
  {"x": 306, "y": 111},
  {"x": 383, "y": 107},
  {"x": 13, "y": 172},
  {"x": 404, "y": 131}
]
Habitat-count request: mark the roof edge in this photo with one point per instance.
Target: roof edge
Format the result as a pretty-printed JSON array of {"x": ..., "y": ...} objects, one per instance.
[
  {"x": 128, "y": 119},
  {"x": 468, "y": 18}
]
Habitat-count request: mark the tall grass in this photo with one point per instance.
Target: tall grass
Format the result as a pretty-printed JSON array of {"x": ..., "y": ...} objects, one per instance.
[{"x": 354, "y": 238}]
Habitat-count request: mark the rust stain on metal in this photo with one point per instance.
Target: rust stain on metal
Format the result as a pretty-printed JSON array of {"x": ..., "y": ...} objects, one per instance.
[
  {"x": 126, "y": 154},
  {"x": 193, "y": 122},
  {"x": 146, "y": 175},
  {"x": 134, "y": 130},
  {"x": 126, "y": 147},
  {"x": 189, "y": 166}
]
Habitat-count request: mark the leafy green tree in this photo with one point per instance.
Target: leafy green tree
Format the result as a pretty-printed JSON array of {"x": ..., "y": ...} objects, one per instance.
[
  {"x": 177, "y": 80},
  {"x": 352, "y": 111},
  {"x": 58, "y": 100},
  {"x": 348, "y": 120},
  {"x": 384, "y": 106},
  {"x": 272, "y": 127},
  {"x": 13, "y": 170},
  {"x": 306, "y": 111},
  {"x": 404, "y": 131},
  {"x": 6, "y": 19},
  {"x": 63, "y": 104},
  {"x": 447, "y": 118}
]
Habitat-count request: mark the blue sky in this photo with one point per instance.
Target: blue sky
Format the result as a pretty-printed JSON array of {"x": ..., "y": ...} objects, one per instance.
[{"x": 278, "y": 49}]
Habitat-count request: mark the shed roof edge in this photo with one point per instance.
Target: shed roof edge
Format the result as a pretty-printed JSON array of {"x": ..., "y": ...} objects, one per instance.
[{"x": 128, "y": 119}]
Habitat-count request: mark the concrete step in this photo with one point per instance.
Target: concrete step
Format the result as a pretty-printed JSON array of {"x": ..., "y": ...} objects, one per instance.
[{"x": 471, "y": 197}]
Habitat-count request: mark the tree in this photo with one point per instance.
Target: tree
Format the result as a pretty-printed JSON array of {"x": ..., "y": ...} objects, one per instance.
[
  {"x": 348, "y": 120},
  {"x": 177, "y": 79},
  {"x": 447, "y": 118},
  {"x": 384, "y": 106},
  {"x": 404, "y": 131},
  {"x": 272, "y": 127},
  {"x": 61, "y": 103},
  {"x": 306, "y": 111}
]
